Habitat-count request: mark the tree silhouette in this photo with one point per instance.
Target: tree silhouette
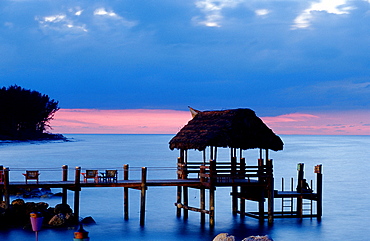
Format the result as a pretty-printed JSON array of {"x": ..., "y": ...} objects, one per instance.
[{"x": 25, "y": 114}]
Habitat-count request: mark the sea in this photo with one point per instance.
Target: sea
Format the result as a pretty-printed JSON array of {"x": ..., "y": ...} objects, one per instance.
[{"x": 346, "y": 194}]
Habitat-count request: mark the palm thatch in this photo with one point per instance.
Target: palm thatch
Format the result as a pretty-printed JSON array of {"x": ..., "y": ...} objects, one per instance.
[{"x": 235, "y": 128}]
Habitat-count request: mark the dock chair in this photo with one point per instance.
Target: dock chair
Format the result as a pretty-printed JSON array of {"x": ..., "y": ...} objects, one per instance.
[
  {"x": 91, "y": 174},
  {"x": 110, "y": 176},
  {"x": 31, "y": 175}
]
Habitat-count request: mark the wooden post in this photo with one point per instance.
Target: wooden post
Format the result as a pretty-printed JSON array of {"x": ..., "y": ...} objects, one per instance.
[
  {"x": 185, "y": 189},
  {"x": 179, "y": 188},
  {"x": 202, "y": 204},
  {"x": 202, "y": 191},
  {"x": 64, "y": 179},
  {"x": 143, "y": 196},
  {"x": 300, "y": 168},
  {"x": 125, "y": 193},
  {"x": 318, "y": 171},
  {"x": 212, "y": 206},
  {"x": 261, "y": 201},
  {"x": 6, "y": 187},
  {"x": 242, "y": 188},
  {"x": 77, "y": 192},
  {"x": 212, "y": 182},
  {"x": 1, "y": 181},
  {"x": 234, "y": 189},
  {"x": 270, "y": 191},
  {"x": 186, "y": 201}
]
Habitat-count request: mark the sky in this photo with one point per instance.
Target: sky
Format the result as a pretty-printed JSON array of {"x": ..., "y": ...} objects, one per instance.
[{"x": 134, "y": 66}]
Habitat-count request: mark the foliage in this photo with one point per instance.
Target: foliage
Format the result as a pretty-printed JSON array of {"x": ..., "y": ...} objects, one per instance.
[{"x": 25, "y": 114}]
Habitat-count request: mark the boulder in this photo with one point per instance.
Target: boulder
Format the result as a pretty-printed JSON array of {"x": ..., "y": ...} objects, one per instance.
[
  {"x": 257, "y": 238},
  {"x": 224, "y": 237},
  {"x": 58, "y": 220},
  {"x": 88, "y": 220},
  {"x": 62, "y": 208}
]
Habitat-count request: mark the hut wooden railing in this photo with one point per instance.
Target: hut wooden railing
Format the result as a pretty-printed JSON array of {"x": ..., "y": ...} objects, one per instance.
[{"x": 224, "y": 172}]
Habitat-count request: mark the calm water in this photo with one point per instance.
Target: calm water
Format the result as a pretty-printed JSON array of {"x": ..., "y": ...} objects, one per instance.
[{"x": 346, "y": 206}]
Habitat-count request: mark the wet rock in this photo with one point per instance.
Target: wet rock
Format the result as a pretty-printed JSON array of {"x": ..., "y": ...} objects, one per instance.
[
  {"x": 88, "y": 220},
  {"x": 62, "y": 208},
  {"x": 224, "y": 237},
  {"x": 257, "y": 238},
  {"x": 61, "y": 220},
  {"x": 18, "y": 202}
]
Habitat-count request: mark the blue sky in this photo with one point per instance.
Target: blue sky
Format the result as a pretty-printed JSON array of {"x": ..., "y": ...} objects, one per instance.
[{"x": 276, "y": 57}]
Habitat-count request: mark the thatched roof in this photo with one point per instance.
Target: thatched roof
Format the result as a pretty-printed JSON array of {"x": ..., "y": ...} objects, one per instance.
[{"x": 235, "y": 128}]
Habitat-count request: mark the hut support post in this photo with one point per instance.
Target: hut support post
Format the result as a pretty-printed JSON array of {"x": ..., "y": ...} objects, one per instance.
[
  {"x": 186, "y": 201},
  {"x": 143, "y": 195},
  {"x": 202, "y": 193},
  {"x": 6, "y": 187},
  {"x": 178, "y": 200},
  {"x": 234, "y": 189},
  {"x": 184, "y": 175},
  {"x": 212, "y": 189},
  {"x": 202, "y": 204},
  {"x": 318, "y": 171},
  {"x": 212, "y": 206},
  {"x": 261, "y": 202},
  {"x": 64, "y": 179},
  {"x": 125, "y": 193},
  {"x": 242, "y": 189},
  {"x": 179, "y": 188},
  {"x": 1, "y": 180},
  {"x": 77, "y": 192},
  {"x": 270, "y": 192}
]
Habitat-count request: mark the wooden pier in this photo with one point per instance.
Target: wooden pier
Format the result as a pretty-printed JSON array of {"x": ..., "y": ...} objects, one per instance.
[{"x": 248, "y": 183}]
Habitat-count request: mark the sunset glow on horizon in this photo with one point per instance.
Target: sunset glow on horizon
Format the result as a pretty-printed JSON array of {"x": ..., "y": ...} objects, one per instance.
[{"x": 147, "y": 121}]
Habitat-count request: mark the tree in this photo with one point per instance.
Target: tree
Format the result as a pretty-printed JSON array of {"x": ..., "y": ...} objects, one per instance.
[{"x": 25, "y": 114}]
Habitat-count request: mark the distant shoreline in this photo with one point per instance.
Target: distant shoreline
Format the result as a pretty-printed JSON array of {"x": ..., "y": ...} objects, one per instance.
[{"x": 41, "y": 137}]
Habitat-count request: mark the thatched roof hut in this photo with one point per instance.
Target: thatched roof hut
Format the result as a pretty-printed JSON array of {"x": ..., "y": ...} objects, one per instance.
[{"x": 235, "y": 128}]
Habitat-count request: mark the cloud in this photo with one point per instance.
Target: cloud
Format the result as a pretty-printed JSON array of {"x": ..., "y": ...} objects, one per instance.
[
  {"x": 103, "y": 12},
  {"x": 334, "y": 7},
  {"x": 294, "y": 117},
  {"x": 79, "y": 21},
  {"x": 145, "y": 121},
  {"x": 65, "y": 23},
  {"x": 262, "y": 12},
  {"x": 212, "y": 10},
  {"x": 321, "y": 123},
  {"x": 132, "y": 121}
]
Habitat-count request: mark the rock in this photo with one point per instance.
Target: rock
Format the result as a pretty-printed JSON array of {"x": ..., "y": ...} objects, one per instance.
[
  {"x": 18, "y": 202},
  {"x": 58, "y": 220},
  {"x": 88, "y": 220},
  {"x": 224, "y": 237},
  {"x": 257, "y": 238},
  {"x": 2, "y": 204},
  {"x": 61, "y": 220},
  {"x": 62, "y": 208}
]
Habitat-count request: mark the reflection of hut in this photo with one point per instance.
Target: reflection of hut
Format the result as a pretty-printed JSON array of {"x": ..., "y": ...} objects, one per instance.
[{"x": 235, "y": 129}]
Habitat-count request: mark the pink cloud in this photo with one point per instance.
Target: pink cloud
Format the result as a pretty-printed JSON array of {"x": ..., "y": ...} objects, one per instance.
[
  {"x": 328, "y": 123},
  {"x": 138, "y": 121},
  {"x": 144, "y": 121}
]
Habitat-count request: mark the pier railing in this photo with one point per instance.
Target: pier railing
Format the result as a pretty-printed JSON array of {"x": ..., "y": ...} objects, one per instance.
[{"x": 224, "y": 172}]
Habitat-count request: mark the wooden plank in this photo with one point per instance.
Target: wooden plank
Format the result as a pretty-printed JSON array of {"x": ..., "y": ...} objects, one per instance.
[{"x": 203, "y": 211}]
